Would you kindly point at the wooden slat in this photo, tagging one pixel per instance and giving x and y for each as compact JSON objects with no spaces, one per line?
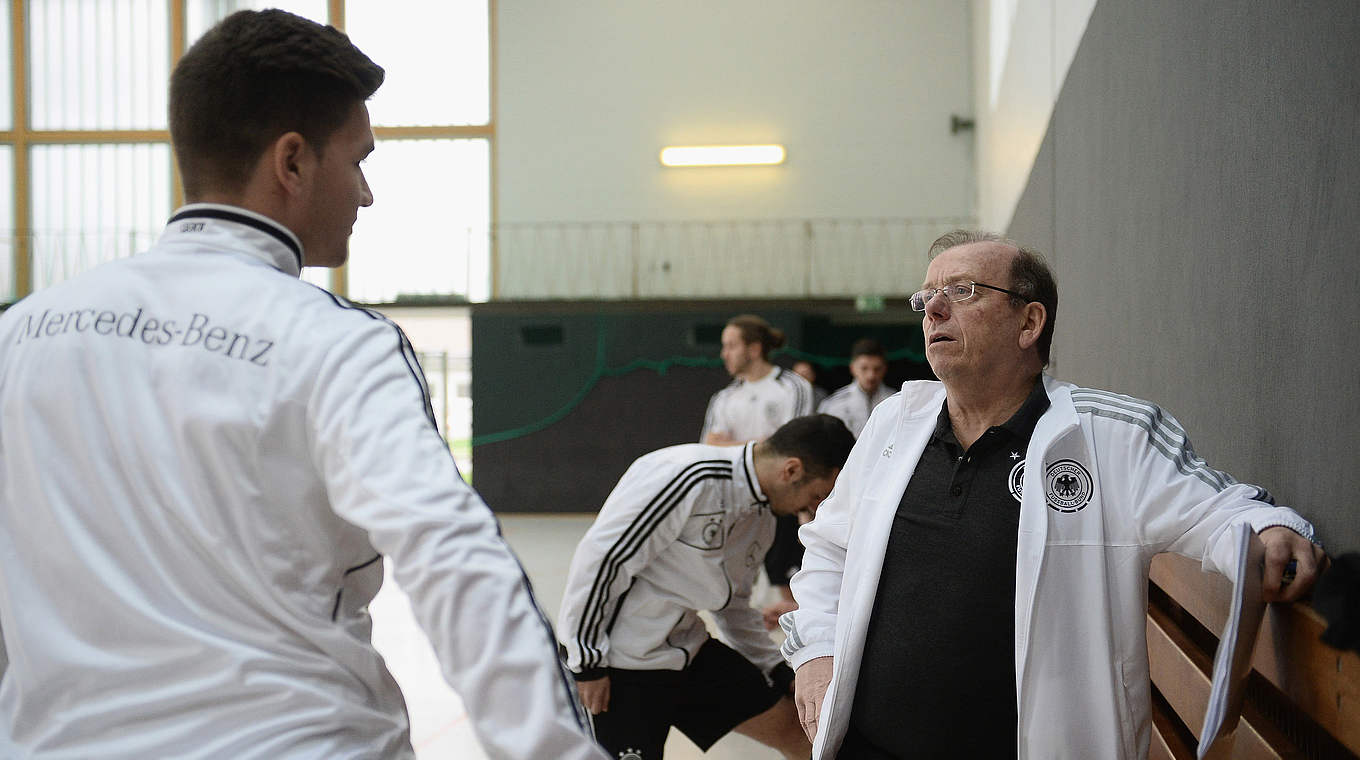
{"x":87,"y":136}
{"x":23,"y":222}
{"x":1182,"y":672}
{"x":1179,"y":669}
{"x":434,"y":132}
{"x":1321,"y":681}
{"x":1167,"y":743}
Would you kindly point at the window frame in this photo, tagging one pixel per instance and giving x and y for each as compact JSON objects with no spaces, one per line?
{"x":21,"y":137}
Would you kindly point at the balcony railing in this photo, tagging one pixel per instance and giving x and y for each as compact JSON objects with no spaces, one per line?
{"x":714,"y":259}
{"x":779,"y":258}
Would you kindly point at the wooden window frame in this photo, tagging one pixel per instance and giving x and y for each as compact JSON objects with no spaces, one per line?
{"x":21,"y":137}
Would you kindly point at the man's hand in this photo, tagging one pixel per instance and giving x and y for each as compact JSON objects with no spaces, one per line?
{"x":809,"y":688}
{"x":1283,"y":545}
{"x":594,"y":694}
{"x":721,"y":438}
{"x":772,"y":612}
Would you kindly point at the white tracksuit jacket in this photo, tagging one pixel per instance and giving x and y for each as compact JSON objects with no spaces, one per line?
{"x":684,"y":530}
{"x":853,"y":406}
{"x":746,"y":411}
{"x":1121,"y":483}
{"x":203,"y":464}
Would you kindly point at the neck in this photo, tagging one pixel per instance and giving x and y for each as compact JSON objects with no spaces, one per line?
{"x":975,"y":407}
{"x":757,"y":371}
{"x":765,"y":466}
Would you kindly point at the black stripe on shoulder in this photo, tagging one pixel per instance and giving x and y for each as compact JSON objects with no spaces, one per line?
{"x":802,"y":391}
{"x":408,"y":353}
{"x":631,"y":541}
{"x":634,"y":537}
{"x":840,"y":393}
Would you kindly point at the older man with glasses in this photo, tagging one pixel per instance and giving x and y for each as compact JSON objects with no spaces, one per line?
{"x":976,"y":585}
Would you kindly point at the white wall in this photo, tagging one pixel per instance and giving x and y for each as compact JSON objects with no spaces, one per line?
{"x":859,"y":91}
{"x":1022,"y":50}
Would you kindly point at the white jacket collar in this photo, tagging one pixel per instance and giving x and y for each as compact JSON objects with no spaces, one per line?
{"x":748,"y":470}
{"x":231,"y":228}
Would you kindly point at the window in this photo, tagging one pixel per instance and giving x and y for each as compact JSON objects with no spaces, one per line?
{"x":88,"y":174}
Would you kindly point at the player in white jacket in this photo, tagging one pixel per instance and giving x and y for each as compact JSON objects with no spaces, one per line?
{"x":854,"y":403}
{"x":684,"y":531}
{"x":205,"y":464}
{"x":1093,"y":485}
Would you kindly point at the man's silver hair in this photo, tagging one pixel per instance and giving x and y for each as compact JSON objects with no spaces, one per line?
{"x":956,"y":238}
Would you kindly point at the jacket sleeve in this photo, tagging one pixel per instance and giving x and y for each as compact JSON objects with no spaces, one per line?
{"x":388,"y":472}
{"x":810,"y":630}
{"x":642,"y":517}
{"x":806,"y":402}
{"x":741,"y":625}
{"x":1182,"y":504}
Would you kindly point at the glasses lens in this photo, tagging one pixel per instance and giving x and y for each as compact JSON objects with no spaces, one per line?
{"x":958,"y":291}
{"x":918,"y":300}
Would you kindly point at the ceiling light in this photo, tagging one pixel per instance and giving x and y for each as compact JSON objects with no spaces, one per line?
{"x":722,"y":155}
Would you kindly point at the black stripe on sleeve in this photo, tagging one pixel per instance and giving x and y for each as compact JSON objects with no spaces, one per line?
{"x":404,"y":348}
{"x":631,"y":541}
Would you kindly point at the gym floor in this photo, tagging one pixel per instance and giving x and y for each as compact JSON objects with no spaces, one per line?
{"x":439,"y":724}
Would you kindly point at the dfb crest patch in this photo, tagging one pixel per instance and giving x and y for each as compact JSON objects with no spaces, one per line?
{"x":1016,"y":481}
{"x":703,"y":531}
{"x":772,"y":412}
{"x":1068,"y":486}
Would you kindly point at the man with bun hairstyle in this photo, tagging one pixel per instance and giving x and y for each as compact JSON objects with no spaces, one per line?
{"x":761,"y":397}
{"x":205,"y":464}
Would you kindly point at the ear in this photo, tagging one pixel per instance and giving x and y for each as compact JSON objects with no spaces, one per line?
{"x":1034,"y":317}
{"x":289,"y":160}
{"x":791,"y":469}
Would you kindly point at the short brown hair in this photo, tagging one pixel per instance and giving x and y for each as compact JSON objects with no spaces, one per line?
{"x":253,"y":77}
{"x":867,"y":347}
{"x":1030,"y":277}
{"x":820,"y":441}
{"x":756,"y":330}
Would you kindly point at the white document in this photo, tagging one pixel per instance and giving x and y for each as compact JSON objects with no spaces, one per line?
{"x":1232,"y":661}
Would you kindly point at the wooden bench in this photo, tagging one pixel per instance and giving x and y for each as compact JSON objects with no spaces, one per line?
{"x":1303,"y":697}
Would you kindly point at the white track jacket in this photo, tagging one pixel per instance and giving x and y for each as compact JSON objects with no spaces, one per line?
{"x":753,"y":411}
{"x":684,"y":530}
{"x":203,"y":464}
{"x":1120,"y":483}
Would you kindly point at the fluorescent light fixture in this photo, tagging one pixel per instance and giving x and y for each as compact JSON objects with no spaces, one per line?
{"x":722,"y":155}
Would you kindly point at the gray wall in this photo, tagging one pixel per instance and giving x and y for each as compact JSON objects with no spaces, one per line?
{"x":1199,"y":192}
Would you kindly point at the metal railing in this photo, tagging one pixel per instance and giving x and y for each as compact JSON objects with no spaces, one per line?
{"x":714,"y":259}
{"x":779,"y":258}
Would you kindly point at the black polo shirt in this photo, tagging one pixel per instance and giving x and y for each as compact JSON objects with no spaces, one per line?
{"x":938,"y":674}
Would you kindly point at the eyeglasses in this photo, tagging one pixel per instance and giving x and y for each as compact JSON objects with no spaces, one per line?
{"x":955,"y":292}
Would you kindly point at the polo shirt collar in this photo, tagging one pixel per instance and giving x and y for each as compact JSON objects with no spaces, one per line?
{"x":1020,"y":424}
